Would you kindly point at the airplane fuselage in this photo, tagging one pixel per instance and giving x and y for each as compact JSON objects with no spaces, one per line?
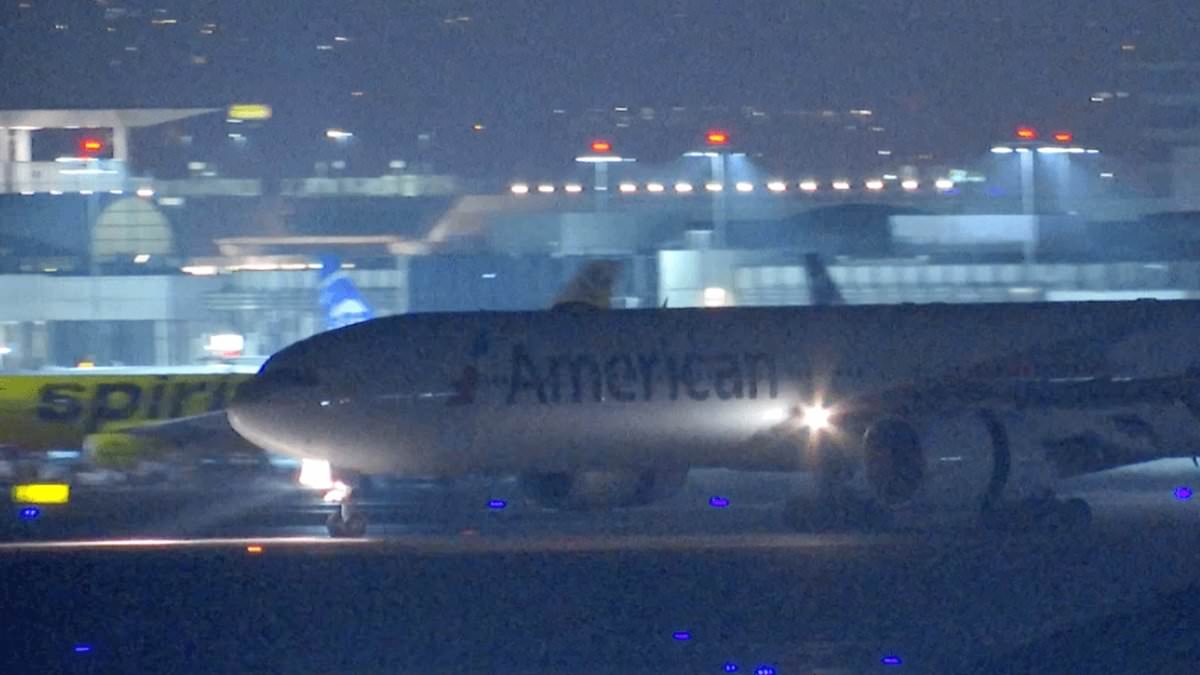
{"x":448,"y":394}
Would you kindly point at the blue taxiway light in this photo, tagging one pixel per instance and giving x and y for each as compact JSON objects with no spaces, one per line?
{"x":30,"y":512}
{"x":891,"y":661}
{"x":681,"y":635}
{"x":718,"y":502}
{"x":731,"y":667}
{"x":1183,"y":493}
{"x":497,"y":504}
{"x":82,"y":649}
{"x":764,"y":670}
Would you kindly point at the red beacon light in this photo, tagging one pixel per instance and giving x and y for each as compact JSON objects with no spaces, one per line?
{"x":91,"y":145}
{"x":1027,"y":133}
{"x":717,"y":138}
{"x":1064,"y":136}
{"x":601,"y":146}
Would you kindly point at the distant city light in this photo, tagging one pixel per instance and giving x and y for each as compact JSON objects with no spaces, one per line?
{"x":874,"y":185}
{"x":809,"y":186}
{"x":254,"y":549}
{"x":145,"y":192}
{"x":655,"y":187}
{"x":714,"y":187}
{"x":116,"y":192}
{"x":628,"y":188}
{"x":519,"y":189}
{"x":141,"y":258}
{"x":910,"y":184}
{"x":683,"y":188}
{"x":1093,"y":151}
{"x":841,"y":185}
{"x":1107,"y":174}
{"x":1002,"y":150}
{"x":743,"y":186}
{"x":884,"y":153}
{"x":573,"y":188}
{"x":545,"y":188}
{"x":338,"y":134}
{"x":477,"y":127}
{"x":777,"y":186}
{"x":944,"y":184}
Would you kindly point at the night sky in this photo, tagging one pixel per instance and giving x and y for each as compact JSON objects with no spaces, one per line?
{"x":948,"y":72}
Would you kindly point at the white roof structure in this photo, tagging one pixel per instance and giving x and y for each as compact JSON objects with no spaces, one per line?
{"x":107,"y":119}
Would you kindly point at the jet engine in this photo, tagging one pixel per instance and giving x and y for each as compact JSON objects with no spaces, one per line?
{"x":961,"y":460}
{"x":590,"y":490}
{"x":121,"y":451}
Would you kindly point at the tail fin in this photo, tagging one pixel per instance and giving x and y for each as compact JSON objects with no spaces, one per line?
{"x":823,"y":289}
{"x":591,"y":287}
{"x":341,"y":303}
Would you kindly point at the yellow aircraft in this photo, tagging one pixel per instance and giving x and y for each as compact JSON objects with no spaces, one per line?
{"x":96,"y":410}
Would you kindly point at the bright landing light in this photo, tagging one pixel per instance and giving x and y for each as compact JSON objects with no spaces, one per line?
{"x":316,"y":474}
{"x":816,"y":417}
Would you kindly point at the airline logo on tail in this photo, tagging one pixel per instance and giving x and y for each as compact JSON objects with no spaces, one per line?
{"x":341,"y":302}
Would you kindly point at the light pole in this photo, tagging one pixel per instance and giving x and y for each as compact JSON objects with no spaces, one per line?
{"x":1025,"y":147}
{"x":600,"y":158}
{"x":716,"y":139}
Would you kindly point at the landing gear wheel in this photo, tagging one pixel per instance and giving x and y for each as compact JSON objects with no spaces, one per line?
{"x":834,"y":515}
{"x":1072,"y":515}
{"x":1044,"y":514}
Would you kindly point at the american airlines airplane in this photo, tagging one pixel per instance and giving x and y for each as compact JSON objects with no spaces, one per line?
{"x":895,"y":409}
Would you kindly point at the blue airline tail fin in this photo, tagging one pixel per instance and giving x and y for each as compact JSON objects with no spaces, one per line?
{"x":341,"y":303}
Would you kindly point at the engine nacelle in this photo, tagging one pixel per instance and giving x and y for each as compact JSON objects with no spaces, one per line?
{"x":959,"y":460}
{"x":116,"y":450}
{"x":598,"y":490}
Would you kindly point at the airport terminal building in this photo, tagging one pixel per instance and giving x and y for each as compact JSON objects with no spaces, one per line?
{"x":120,"y":246}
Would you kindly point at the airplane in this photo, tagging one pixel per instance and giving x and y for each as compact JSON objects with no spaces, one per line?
{"x":895,"y":409}
{"x":116,"y":414}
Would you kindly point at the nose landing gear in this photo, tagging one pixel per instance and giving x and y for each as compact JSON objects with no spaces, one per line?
{"x":346,"y":521}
